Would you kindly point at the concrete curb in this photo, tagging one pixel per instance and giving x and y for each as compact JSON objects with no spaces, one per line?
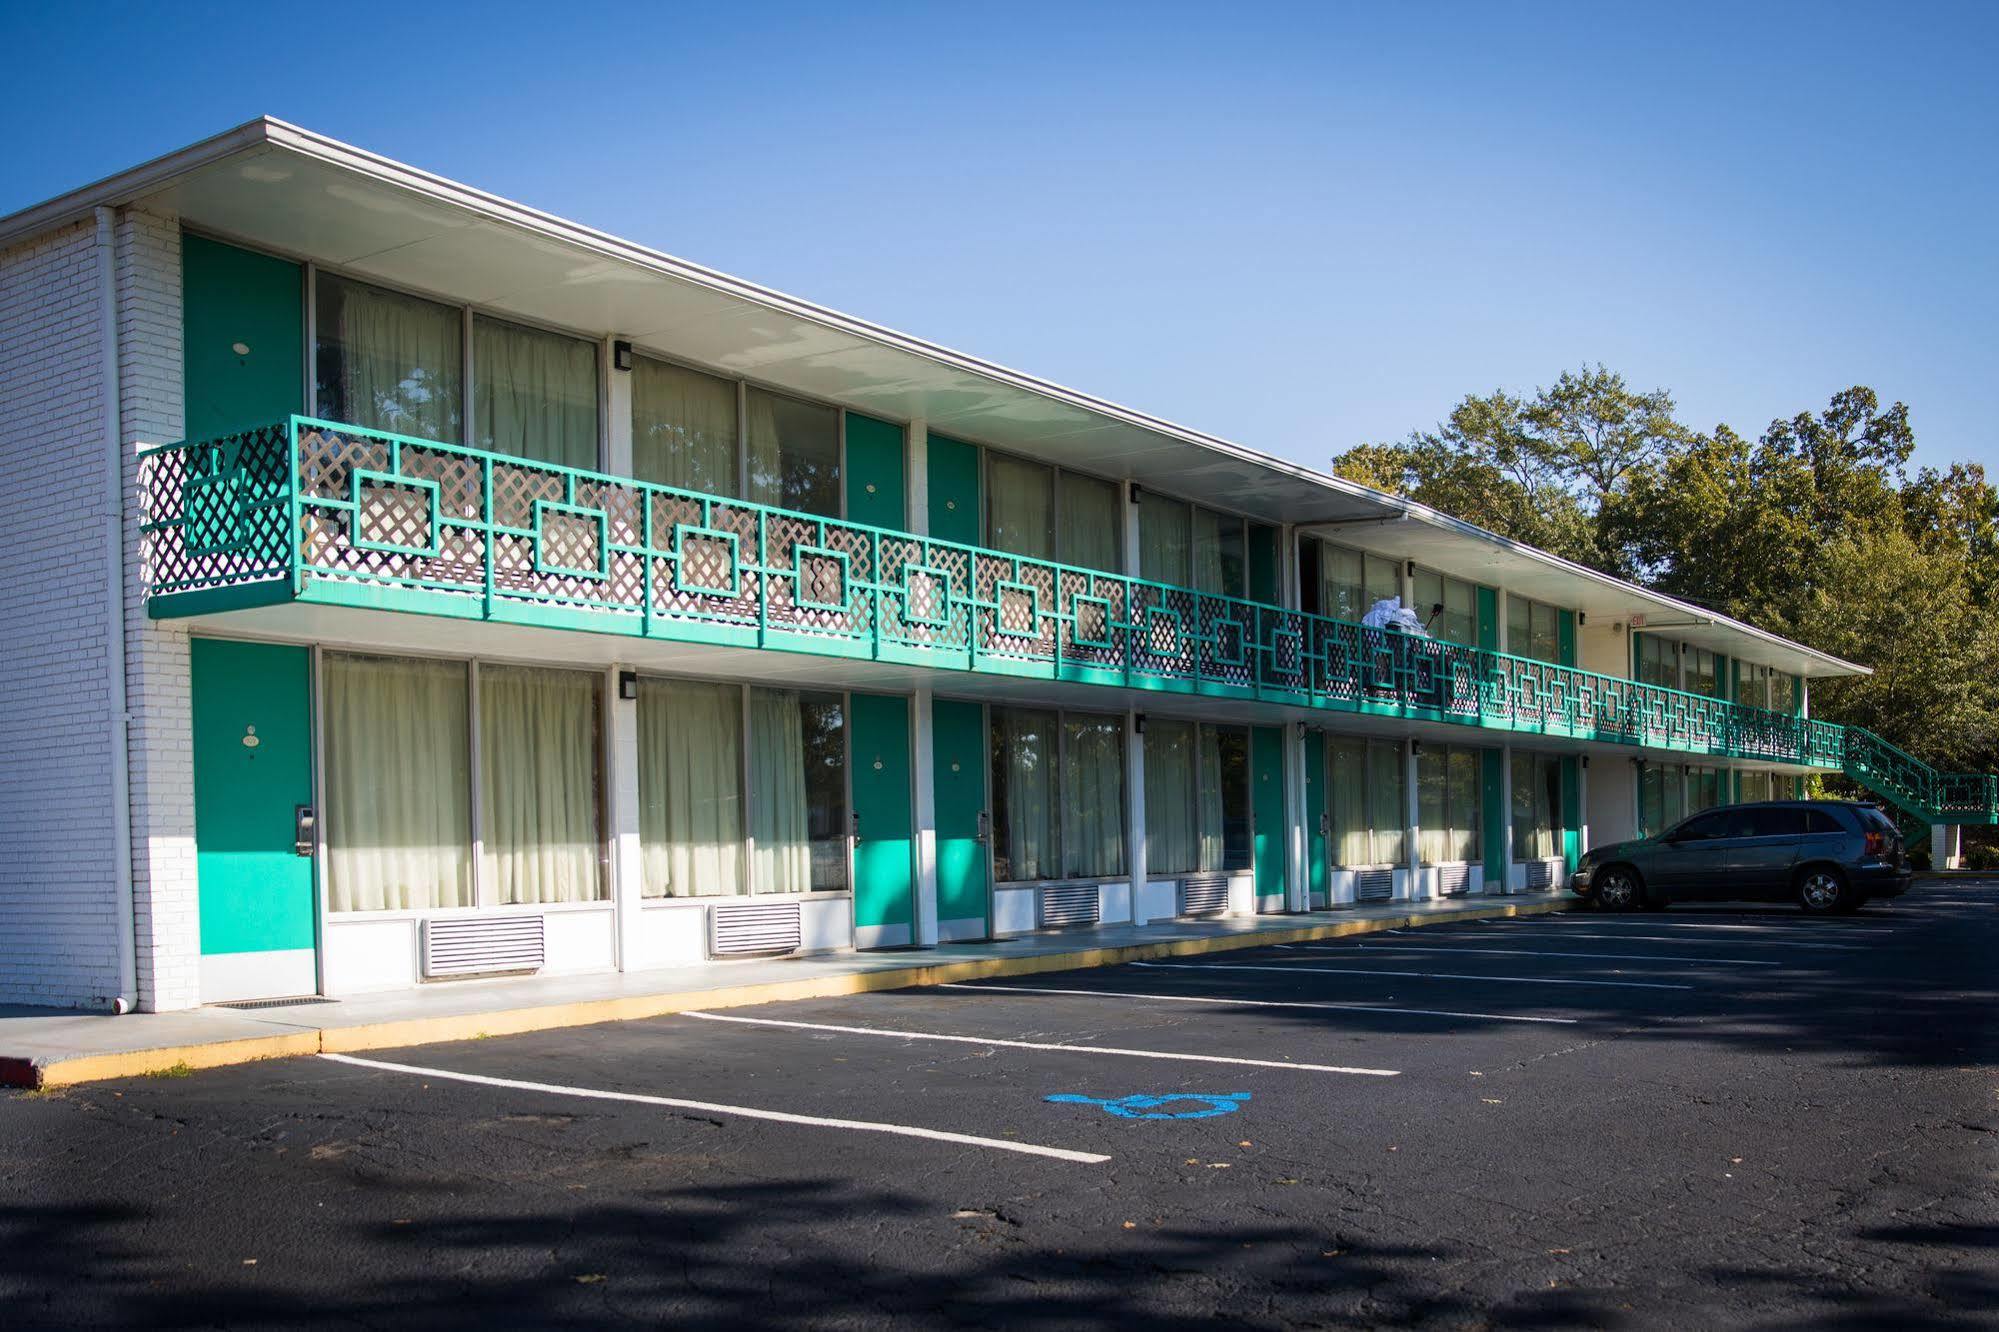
{"x":65,"y":1072}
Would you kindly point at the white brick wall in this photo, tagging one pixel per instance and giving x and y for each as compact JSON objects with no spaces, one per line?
{"x":156,"y":652}
{"x":58,"y":892}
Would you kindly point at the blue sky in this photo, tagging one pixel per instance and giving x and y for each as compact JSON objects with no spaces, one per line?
{"x":1301,"y":228}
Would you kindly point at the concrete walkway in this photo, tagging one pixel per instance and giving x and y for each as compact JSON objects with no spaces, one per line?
{"x":46,"y":1047}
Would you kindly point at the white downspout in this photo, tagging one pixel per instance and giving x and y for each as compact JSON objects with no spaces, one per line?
{"x":114,"y":632}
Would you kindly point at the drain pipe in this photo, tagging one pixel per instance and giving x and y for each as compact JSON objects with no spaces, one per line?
{"x":127,"y":997}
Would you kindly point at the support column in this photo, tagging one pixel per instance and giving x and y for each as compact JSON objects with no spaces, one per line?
{"x":627,"y":866}
{"x":1297,"y":863}
{"x":924,"y":812}
{"x":918,"y":444}
{"x":1412,"y":806}
{"x":1134,"y":804}
{"x":1946,"y":846}
{"x":617,"y":412}
{"x":1506,"y":819}
{"x":1582,"y":806}
{"x":1131,"y":544}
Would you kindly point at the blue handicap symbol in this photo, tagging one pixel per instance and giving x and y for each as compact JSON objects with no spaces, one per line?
{"x":1201,"y":1105}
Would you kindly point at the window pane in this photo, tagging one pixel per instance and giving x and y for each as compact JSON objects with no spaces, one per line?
{"x":683,"y":428}
{"x":1432,"y":793}
{"x":1547,"y":638}
{"x":1674,"y":805}
{"x":1091,"y":535}
{"x":1526,"y":841}
{"x":690,"y":782}
{"x":1462,"y":805}
{"x":1172,"y":832}
{"x":1342,"y":589}
{"x":1387,"y":801}
{"x":534,"y":393}
{"x":798,"y":791}
{"x":398,"y":784}
{"x":1384,"y":580}
{"x":794,"y":454}
{"x":1448,"y":605}
{"x":1775,"y":822}
{"x":1092,"y":796}
{"x":1163,"y":540}
{"x":541,"y":828}
{"x":1346,"y":800}
{"x":389,"y":361}
{"x":1232,"y":753}
{"x":1023,"y":758}
{"x":1519,"y":628}
{"x":1220,"y":564}
{"x":1020,"y":507}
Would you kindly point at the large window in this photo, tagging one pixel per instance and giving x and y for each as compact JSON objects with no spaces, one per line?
{"x":1703,"y":676}
{"x":1662,"y":797}
{"x":1197,"y":817}
{"x":1533,"y":629}
{"x":1449,"y":606}
{"x":1755,"y":786}
{"x":1783,"y":692}
{"x":1447,"y":804}
{"x":388,"y":361}
{"x":398,"y":784}
{"x":1367,"y":801}
{"x":534,"y":393}
{"x":1351,"y":581}
{"x":1189,"y":546}
{"x":684,"y":428}
{"x":1537,"y":806}
{"x":1089,"y":529}
{"x":1057,"y":794}
{"x":798,"y":791}
{"x":1049,"y":514}
{"x":541,"y":828}
{"x":1704,"y":789}
{"x":794,"y":454}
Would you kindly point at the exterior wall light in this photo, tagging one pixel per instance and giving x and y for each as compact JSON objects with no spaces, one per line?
{"x":628,"y":685}
{"x":1138,"y":723}
{"x":621,"y":355}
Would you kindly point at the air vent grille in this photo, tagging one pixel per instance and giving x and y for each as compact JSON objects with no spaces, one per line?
{"x":1068,"y":904}
{"x":1540,"y":874}
{"x":748,"y":928}
{"x":1455,"y":880}
{"x":1374,"y":885}
{"x":478,"y":945}
{"x":1204,"y":895}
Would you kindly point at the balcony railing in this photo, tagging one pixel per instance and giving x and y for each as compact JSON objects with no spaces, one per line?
{"x":315,"y":511}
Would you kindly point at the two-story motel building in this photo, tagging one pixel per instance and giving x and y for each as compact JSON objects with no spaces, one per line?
{"x":405,"y":584}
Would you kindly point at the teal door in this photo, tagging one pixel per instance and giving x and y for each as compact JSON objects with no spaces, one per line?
{"x":1266,"y":781}
{"x":953,"y":472}
{"x":252,"y":705}
{"x":884,"y":880}
{"x":958,"y":765}
{"x":1318,"y":827}
{"x":243,"y":337}
{"x":875,"y":470}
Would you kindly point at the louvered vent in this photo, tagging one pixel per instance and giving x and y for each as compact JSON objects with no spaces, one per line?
{"x":1375,"y":885}
{"x":1204,"y":895}
{"x":477,"y":945}
{"x":1455,"y":880}
{"x":1540,"y":874}
{"x":742,"y":929}
{"x":1068,"y":904}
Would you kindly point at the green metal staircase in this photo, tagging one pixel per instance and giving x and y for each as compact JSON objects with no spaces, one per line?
{"x":1921,"y":793}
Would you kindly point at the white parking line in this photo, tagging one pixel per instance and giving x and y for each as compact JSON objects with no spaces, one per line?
{"x":1424,"y":975}
{"x":1037,"y":1045}
{"x":1539,"y":952}
{"x":1259,"y":1003}
{"x":741,"y":1111}
{"x":1696,"y":923}
{"x":1686,"y":939}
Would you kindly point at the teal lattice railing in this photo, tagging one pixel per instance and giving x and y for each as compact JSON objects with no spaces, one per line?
{"x":317,"y":511}
{"x":1914,"y":786}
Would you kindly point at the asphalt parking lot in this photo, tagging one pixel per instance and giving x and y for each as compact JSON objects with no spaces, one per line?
{"x":1709,"y":1117}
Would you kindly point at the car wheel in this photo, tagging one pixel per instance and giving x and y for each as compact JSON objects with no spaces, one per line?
{"x":1618,"y":890}
{"x":1822,"y":891}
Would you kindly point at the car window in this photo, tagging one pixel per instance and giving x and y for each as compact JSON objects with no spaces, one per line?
{"x":1775,"y":821}
{"x":1871,"y":817}
{"x":1704,"y":827}
{"x":1820,"y":821}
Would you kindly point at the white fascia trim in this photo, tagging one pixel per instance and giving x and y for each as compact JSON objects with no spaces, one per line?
{"x":268,"y":131}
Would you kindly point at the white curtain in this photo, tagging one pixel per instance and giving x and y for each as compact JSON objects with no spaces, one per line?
{"x":398,"y":779}
{"x":1025,"y":753}
{"x":780,"y":814}
{"x":1209,"y":565}
{"x":1346,"y":779}
{"x":794,"y":454}
{"x":1162,"y":540}
{"x":1091,"y":536}
{"x":1432,"y":796}
{"x":1211,"y":817}
{"x":1340,"y":584}
{"x":683,"y":428}
{"x":389,"y":361}
{"x":690,"y":779}
{"x":1172,"y":844}
{"x":1020,"y":507}
{"x":1092,"y":796}
{"x":1387,"y":801}
{"x":1463,"y":802}
{"x":538,"y":751}
{"x":534,"y":393}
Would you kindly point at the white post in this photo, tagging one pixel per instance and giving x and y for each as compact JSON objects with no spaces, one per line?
{"x":1134,"y":803}
{"x":1499,"y":615}
{"x":617,"y":413}
{"x":1506,"y":818}
{"x":1131,"y":544}
{"x":1946,"y":845}
{"x":1297,"y":863}
{"x":923,"y":769}
{"x":1582,"y":804}
{"x":918,"y":448}
{"x":627,"y":868}
{"x":1412,"y":820}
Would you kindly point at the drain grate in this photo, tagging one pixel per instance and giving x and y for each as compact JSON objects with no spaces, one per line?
{"x":299,"y":1002}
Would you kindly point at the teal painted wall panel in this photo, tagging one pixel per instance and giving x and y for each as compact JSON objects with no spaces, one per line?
{"x":953,"y":476}
{"x":233,"y":298}
{"x":1266,"y":772}
{"x":1572,"y":810}
{"x":1493,"y":815}
{"x":883,"y":875}
{"x":1318,"y":846}
{"x":1565,"y":635}
{"x":1488,"y":619}
{"x":877,"y":473}
{"x":256,"y":892}
{"x":1263,"y":564}
{"x":958,"y":763}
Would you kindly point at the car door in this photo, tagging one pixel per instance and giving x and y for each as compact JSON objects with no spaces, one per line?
{"x":1692,"y":859}
{"x":1760,"y":860}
